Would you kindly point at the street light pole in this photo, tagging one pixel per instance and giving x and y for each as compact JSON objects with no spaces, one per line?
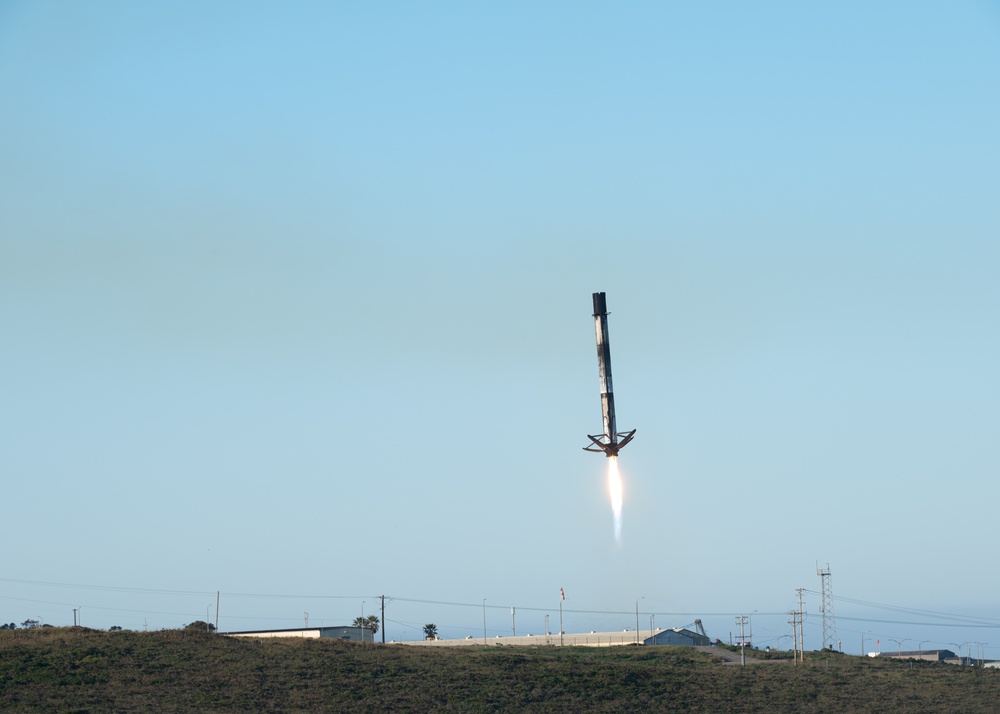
{"x":637,"y":618}
{"x":741,"y":620}
{"x":560,"y":624}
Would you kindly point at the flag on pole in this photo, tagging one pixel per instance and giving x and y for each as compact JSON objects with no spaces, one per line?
{"x":562,"y":594}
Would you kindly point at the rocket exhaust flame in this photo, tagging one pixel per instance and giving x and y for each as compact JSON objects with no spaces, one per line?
{"x":615,"y":491}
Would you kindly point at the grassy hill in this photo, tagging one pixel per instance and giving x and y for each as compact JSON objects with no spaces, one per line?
{"x":80,"y":670}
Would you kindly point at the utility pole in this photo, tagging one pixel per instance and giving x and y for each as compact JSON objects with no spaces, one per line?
{"x":802,"y":636}
{"x":794,"y":622}
{"x":383,"y":619}
{"x":741,"y":620}
{"x":513,"y":628}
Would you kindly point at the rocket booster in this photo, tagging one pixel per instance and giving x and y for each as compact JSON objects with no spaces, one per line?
{"x":611,"y":441}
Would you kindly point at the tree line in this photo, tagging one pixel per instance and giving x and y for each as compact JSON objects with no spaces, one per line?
{"x":27,"y":625}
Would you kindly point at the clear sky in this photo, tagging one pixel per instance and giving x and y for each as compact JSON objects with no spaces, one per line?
{"x":296,"y":306}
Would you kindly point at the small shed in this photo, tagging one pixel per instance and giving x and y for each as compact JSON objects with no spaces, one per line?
{"x":678,"y":636}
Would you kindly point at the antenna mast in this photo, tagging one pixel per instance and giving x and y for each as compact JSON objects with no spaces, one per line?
{"x":826,"y":607}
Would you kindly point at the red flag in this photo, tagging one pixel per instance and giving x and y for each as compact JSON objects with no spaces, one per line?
{"x":562,"y":594}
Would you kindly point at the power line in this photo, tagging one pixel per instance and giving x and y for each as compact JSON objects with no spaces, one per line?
{"x":970,"y":625}
{"x":933,"y":617}
{"x":106,"y":587}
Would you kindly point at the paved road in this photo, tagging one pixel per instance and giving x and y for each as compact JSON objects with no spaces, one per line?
{"x":729,"y":657}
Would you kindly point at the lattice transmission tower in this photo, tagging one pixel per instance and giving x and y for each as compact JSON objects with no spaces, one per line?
{"x":826,"y":607}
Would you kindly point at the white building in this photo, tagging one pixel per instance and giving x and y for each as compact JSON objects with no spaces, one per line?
{"x":354,"y":634}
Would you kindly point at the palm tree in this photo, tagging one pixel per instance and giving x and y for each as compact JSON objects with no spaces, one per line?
{"x":430,"y":631}
{"x":370,"y":623}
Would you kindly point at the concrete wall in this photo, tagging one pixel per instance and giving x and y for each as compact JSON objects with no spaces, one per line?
{"x":310,"y":634}
{"x":590,"y":639}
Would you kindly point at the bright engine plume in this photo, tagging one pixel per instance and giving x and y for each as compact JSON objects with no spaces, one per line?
{"x":615,"y":491}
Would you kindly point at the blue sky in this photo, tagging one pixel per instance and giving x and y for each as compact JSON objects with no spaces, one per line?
{"x":296,"y":307}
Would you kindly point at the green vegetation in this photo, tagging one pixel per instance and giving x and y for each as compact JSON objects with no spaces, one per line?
{"x":80,"y":670}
